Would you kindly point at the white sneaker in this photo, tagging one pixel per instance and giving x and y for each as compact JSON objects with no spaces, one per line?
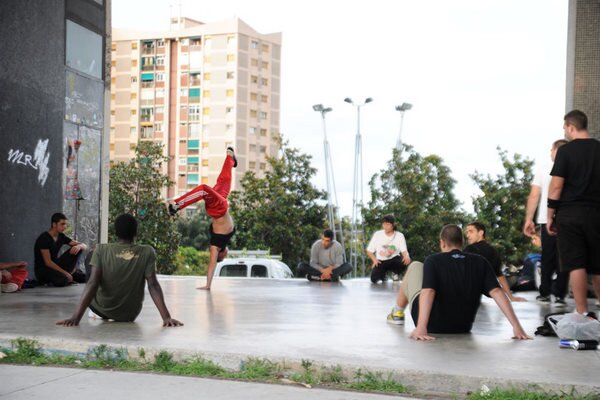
{"x":9,"y":287}
{"x":93,"y":315}
{"x":395,"y":277}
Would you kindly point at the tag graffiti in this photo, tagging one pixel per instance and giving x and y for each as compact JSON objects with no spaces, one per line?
{"x":37,"y":161}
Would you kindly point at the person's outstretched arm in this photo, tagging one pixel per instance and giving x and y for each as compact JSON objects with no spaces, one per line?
{"x":425,"y":303}
{"x":88,"y":294}
{"x":500,"y":298}
{"x":159,"y":301}
{"x":212,"y":264}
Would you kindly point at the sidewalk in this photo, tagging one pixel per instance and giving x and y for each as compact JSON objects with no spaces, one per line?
{"x":17,"y":382}
{"x":327,"y":323}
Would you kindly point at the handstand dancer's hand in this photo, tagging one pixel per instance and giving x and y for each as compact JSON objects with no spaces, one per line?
{"x":519,"y":334}
{"x":68,"y":322}
{"x":419,"y":334}
{"x":172,"y":322}
{"x":204,"y":288}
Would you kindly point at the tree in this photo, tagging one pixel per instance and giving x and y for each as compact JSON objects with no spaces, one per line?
{"x":194,"y":231}
{"x":501,"y":207}
{"x":282,"y":211}
{"x":135,"y":188}
{"x":418,"y":191}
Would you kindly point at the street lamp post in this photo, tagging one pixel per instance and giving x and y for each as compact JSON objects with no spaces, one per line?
{"x":332,"y":205}
{"x":356,"y":251}
{"x":402,"y":108}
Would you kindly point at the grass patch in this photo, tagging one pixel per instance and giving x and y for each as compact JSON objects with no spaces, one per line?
{"x":513,"y":394}
{"x":256,"y":369}
{"x":308,"y":375}
{"x":376,"y":382}
{"x":198,"y":366}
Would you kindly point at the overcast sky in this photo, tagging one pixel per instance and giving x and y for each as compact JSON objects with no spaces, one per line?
{"x":479,"y":73}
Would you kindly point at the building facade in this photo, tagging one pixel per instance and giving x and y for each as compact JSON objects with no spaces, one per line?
{"x":54,"y":85}
{"x":197,"y":89}
{"x":583,"y":61}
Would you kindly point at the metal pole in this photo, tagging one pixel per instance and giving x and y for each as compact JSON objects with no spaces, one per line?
{"x":399,"y":141}
{"x":327,"y":173}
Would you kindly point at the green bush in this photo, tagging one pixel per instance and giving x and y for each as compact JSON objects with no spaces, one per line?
{"x":191,"y":261}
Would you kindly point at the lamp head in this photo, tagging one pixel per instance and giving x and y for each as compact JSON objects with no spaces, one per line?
{"x":318,"y":107}
{"x":348,"y":100}
{"x":328,"y":109}
{"x":368,"y":100}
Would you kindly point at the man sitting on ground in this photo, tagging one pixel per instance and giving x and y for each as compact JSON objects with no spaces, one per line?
{"x":326,"y":260}
{"x":119,"y":272}
{"x":478,"y":245}
{"x":13,"y":276}
{"x":445,"y":293}
{"x":51,"y":266}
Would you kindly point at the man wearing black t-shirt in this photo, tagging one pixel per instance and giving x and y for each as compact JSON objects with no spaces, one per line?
{"x":574,"y":206}
{"x":475,"y":233}
{"x":49,"y":266}
{"x":445,"y":292}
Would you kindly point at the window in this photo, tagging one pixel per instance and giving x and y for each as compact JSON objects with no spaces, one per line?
{"x":228,"y":110}
{"x":263,"y":132}
{"x":194,"y":112}
{"x":160,"y":77}
{"x":254,"y":44}
{"x":160,"y":60}
{"x":158,"y":127}
{"x":254,"y":79}
{"x":133,"y":96}
{"x":229,"y":92}
{"x":113,"y":46}
{"x":113,"y":63}
{"x":264,"y":81}
{"x":133,"y":112}
{"x":204,"y":162}
{"x":182,"y":160}
{"x":230,"y":57}
{"x":205,"y":145}
{"x":264,"y":65}
{"x":264,"y":98}
{"x":206,"y":111}
{"x":183,"y":92}
{"x":160,"y":110}
{"x":134,"y":45}
{"x":252,"y":131}
{"x":262,"y":115}
{"x":254,"y":62}
{"x":265,"y":47}
{"x":84,"y":50}
{"x":263,"y":166}
{"x":253,"y":113}
{"x":263,"y":149}
{"x":133,"y":79}
{"x":113,"y":96}
{"x":207,"y":93}
{"x":207,"y":76}
{"x":230,"y":75}
{"x":112,"y":112}
{"x":252,"y":148}
{"x":194,"y":131}
{"x":230,"y":39}
{"x":134,"y":63}
{"x":252,"y":164}
{"x":259,"y":271}
{"x":195,"y":42}
{"x":253,"y":96}
{"x":132,"y":131}
{"x":147,"y":132}
{"x":185,"y":41}
{"x":228,"y":127}
{"x":239,"y":270}
{"x":160,"y":92}
{"x":160,"y":43}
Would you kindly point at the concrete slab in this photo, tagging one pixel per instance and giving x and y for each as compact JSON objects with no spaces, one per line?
{"x":327,"y":323}
{"x":71,"y":384}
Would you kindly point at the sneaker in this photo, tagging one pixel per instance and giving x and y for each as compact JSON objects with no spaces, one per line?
{"x":591,"y":314}
{"x":543,"y":299}
{"x":395,"y":277}
{"x":9,"y":287}
{"x":313,"y":277}
{"x":231,"y":153}
{"x":396,"y":317}
{"x":558,"y":302}
{"x":172,"y":210}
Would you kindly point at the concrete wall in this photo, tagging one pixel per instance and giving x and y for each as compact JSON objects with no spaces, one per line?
{"x":583,"y":61}
{"x":32,"y":116}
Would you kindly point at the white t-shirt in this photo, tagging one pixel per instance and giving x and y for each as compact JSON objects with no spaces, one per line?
{"x":380,"y":244}
{"x":542,"y":179}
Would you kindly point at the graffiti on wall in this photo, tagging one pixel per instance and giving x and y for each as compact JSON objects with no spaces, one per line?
{"x":37,"y":161}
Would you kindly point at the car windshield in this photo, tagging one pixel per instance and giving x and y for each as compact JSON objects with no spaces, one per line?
{"x":238,"y":270}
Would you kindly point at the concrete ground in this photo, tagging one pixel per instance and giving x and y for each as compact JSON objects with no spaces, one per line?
{"x":327,"y":323}
{"x":22,"y":382}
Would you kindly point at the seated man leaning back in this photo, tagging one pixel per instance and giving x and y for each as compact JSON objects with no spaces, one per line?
{"x":120,"y":271}
{"x":445,"y":292}
{"x":326,"y":260}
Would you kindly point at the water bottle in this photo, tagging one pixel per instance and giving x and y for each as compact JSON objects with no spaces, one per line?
{"x":579,"y":344}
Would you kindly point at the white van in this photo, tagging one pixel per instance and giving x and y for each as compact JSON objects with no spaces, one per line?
{"x":250,"y":267}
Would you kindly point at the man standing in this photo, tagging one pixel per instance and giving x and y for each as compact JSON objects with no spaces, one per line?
{"x":538,"y":198}
{"x":475,"y":233}
{"x":51,"y":266}
{"x":574,"y":207}
{"x":445,"y":292}
{"x":326,"y":260}
{"x":119,"y":273}
{"x":215,"y":202}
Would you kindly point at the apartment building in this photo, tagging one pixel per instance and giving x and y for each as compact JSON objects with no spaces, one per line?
{"x":197,"y":89}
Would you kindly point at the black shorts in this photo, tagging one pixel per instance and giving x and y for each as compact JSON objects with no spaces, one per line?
{"x":579,"y":238}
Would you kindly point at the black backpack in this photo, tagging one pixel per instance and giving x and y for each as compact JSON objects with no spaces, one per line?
{"x":546,"y":329}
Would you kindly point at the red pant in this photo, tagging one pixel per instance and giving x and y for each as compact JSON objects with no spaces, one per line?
{"x":18,"y":277}
{"x":215,"y":199}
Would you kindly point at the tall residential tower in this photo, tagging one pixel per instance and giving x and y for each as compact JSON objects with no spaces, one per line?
{"x":197,"y":89}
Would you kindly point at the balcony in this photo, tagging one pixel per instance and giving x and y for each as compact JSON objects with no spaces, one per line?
{"x":148,"y":51}
{"x":195,"y":82}
{"x":147,"y":84}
